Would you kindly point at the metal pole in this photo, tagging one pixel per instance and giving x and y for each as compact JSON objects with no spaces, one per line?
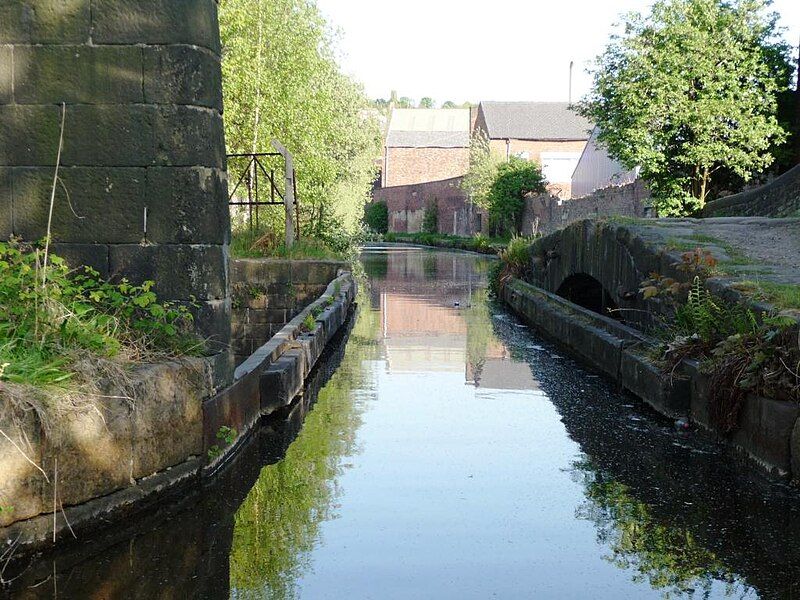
{"x":288,"y":197}
{"x":570,"y":81}
{"x":250,"y":195}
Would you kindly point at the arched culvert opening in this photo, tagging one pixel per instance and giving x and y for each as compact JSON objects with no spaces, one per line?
{"x":586,"y":291}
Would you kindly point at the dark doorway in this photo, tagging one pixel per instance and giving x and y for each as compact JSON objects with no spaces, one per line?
{"x":584,"y":290}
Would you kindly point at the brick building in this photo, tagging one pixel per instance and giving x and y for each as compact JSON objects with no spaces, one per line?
{"x":548,"y":133}
{"x":425,"y":145}
{"x":425,"y":155}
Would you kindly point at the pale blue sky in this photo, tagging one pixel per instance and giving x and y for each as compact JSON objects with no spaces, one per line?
{"x":493,"y":50}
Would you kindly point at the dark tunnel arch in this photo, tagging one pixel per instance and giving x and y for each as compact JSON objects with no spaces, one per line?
{"x":586,"y":291}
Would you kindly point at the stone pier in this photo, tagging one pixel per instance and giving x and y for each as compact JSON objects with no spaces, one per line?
{"x":142,"y":187}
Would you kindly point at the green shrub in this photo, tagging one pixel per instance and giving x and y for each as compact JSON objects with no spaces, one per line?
{"x":309,"y":323}
{"x":514,"y":263}
{"x":513,"y":181}
{"x":740,"y":352}
{"x":430,"y":220}
{"x":376,"y":216}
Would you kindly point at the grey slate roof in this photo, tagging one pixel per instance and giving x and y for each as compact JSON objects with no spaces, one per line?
{"x":534,"y":121}
{"x":427,"y":139}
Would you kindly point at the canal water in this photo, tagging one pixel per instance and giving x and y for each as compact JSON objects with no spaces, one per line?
{"x":444,"y":450}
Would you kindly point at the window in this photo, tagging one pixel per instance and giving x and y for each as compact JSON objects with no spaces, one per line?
{"x":557,"y":167}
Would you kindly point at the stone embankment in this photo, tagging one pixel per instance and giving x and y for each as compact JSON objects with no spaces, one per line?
{"x":601,"y":264}
{"x":116,"y":455}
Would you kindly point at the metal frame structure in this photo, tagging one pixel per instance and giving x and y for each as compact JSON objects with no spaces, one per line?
{"x":251,"y":175}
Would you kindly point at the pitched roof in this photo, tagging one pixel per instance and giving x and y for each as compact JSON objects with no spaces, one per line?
{"x":427,"y":139}
{"x":428,"y":128}
{"x":534,"y":121}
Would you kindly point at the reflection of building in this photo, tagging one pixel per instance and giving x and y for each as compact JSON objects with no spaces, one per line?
{"x":506,"y":374}
{"x":436,"y":327}
{"x":420,"y":336}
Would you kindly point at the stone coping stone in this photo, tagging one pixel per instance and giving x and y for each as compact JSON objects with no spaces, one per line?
{"x":595,"y":346}
{"x":282,"y":340}
{"x":283,"y":380}
{"x":271,"y":377}
{"x":668,"y":394}
{"x":612,"y":326}
{"x":769,"y":430}
{"x":765,"y":432}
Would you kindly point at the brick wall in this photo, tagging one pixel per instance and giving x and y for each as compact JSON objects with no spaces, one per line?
{"x":141,"y":80}
{"x":545,"y":213}
{"x":407,"y":204}
{"x":405,"y":166}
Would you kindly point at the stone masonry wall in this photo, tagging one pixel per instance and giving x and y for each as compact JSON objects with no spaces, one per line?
{"x":779,"y":198}
{"x":268,"y":293}
{"x":143,"y":185}
{"x":546,"y":214}
{"x":105,"y":444}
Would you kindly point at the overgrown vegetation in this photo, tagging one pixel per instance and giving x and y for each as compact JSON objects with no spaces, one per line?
{"x":281,"y":81}
{"x":477,"y":243}
{"x":68,"y":328}
{"x":515,"y":263}
{"x":781,"y":295}
{"x":500,"y":186}
{"x":226,"y":436}
{"x":689,"y":94}
{"x":741,"y":351}
{"x":430,"y":219}
{"x":483,"y":166}
{"x":376,"y":217}
{"x":256,"y":243}
{"x":514,"y":180}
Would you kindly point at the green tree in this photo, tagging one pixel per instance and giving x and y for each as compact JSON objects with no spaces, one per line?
{"x":689,"y":92}
{"x":449,"y":104}
{"x":405,"y":102}
{"x":482,"y":170}
{"x":430,"y":219}
{"x":514,"y":180}
{"x":427,"y":103}
{"x":376,"y":216}
{"x":280,"y":81}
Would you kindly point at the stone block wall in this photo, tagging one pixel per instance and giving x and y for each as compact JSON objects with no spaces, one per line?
{"x":268,"y":293}
{"x":779,"y":198}
{"x":546,"y":214}
{"x":104,"y":444}
{"x":142,"y":191}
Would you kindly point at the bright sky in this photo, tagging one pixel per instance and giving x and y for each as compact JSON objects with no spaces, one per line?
{"x":489,"y":50}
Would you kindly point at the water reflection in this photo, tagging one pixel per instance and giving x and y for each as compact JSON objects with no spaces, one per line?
{"x":447,"y":452}
{"x":277,"y":525}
